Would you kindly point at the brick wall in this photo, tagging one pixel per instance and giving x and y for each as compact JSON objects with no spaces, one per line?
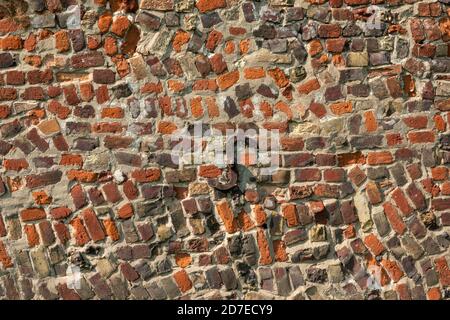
{"x":94,"y":206}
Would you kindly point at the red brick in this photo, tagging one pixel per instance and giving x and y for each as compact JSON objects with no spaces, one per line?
{"x":15,"y":164}
{"x":47,"y":235}
{"x":227,"y":80}
{"x":60,"y":212}
{"x":394,"y":219}
{"x":80,"y":233}
{"x":334,"y":175}
{"x":380,"y":157}
{"x":416,"y":196}
{"x":209,"y":5}
{"x":279,"y":77}
{"x":111,"y":229}
{"x":439,"y":173}
{"x":329,"y":30}
{"x":120,"y":25}
{"x":62,"y":232}
{"x":393,"y":269}
{"x":421,"y":136}
{"x":308,"y":174}
{"x":32,"y":235}
{"x":146,"y":175}
{"x":130,"y":190}
{"x":182,"y":279}
{"x":3,"y":231}
{"x":402,"y":203}
{"x":375,"y":246}
{"x":265,"y":256}
{"x":93,"y":225}
{"x":443,"y":271}
{"x":417,"y":122}
{"x":11,"y":43}
{"x":209,"y":171}
{"x":32,"y":214}
{"x":308,"y":86}
{"x":279,"y":249}
{"x":128,"y":272}
{"x":78,"y":196}
{"x":289,"y":212}
{"x":112,"y":192}
{"x":373,"y":193}
{"x":15,"y":77}
{"x":126,"y":211}
{"x":5,"y":258}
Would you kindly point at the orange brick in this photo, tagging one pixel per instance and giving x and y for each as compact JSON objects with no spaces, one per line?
{"x":196,"y":107}
{"x":265,"y":257}
{"x":11,"y":43}
{"x":180,"y":39}
{"x":380,"y":157}
{"x":370,"y":121}
{"x":394,"y":219}
{"x":209,"y":171}
{"x":82,"y":175}
{"x":439,"y":173}
{"x":71,"y":160}
{"x":309,"y":86}
{"x":146,"y":175}
{"x":32,"y":214}
{"x":279,"y":249}
{"x":114,"y":112}
{"x":111,"y":229}
{"x":254,"y":73}
{"x":279,"y":77}
{"x":393,"y":269}
{"x":32,"y":235}
{"x":166,"y":127}
{"x":227,"y":216}
{"x":226,"y":80}
{"x":375,"y":246}
{"x":340,"y":108}
{"x":183,"y":259}
{"x":290,"y":214}
{"x":62,"y":42}
{"x":182,"y":279}
{"x":126,"y":211}
{"x":15,"y":164}
{"x":213,"y":109}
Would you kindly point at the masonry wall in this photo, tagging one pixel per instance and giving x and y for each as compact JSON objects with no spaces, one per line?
{"x":91,"y":93}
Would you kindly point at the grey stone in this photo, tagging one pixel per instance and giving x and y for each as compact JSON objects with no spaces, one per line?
{"x":335,"y":273}
{"x":430,"y":246}
{"x":408,"y":266}
{"x":40,"y":262}
{"x":213,"y":277}
{"x":412,"y":247}
{"x":399,"y":175}
{"x":46,"y":20}
{"x":381,"y":223}
{"x":156,"y":292}
{"x":266,"y":278}
{"x":170,"y":287}
{"x":229,"y":279}
{"x":282,"y":280}
{"x":84,"y":290}
{"x":139,"y":293}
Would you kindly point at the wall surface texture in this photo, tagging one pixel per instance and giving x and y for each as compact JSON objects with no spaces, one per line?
{"x":94,"y":95}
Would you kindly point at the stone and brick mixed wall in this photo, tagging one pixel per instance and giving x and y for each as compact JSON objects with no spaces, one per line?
{"x":91,"y":91}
